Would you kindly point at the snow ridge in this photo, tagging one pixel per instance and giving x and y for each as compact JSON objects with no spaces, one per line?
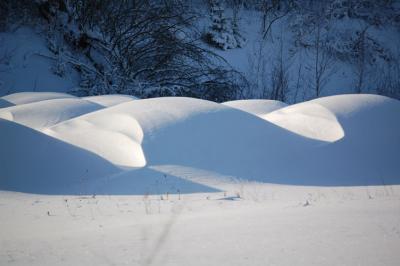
{"x":117,"y":144}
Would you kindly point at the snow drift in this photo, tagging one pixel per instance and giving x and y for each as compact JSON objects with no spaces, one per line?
{"x":119,"y":145}
{"x":310,"y":120}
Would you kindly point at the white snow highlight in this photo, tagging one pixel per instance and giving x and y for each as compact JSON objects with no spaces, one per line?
{"x":309,"y":120}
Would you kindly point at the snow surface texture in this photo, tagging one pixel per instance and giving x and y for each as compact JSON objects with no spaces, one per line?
{"x":271,"y":225}
{"x":120,"y":145}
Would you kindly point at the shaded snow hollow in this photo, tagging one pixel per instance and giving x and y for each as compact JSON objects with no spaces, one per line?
{"x":54,"y":143}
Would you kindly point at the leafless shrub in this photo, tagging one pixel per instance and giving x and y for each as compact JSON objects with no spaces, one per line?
{"x":389,"y":80}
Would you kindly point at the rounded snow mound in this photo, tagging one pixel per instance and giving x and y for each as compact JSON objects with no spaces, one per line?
{"x":334,"y":117}
{"x":369,"y":119}
{"x":33,"y":162}
{"x":46,"y":113}
{"x":116,"y":133}
{"x":115,"y":136}
{"x":31,"y":97}
{"x":255,"y":106}
{"x":310,"y":120}
{"x":347,"y":105}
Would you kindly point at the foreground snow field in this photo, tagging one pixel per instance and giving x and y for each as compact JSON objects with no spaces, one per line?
{"x":114,"y":180}
{"x":271,"y":225}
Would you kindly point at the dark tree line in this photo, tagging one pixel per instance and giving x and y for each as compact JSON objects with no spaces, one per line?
{"x":142,"y":47}
{"x":152,"y":48}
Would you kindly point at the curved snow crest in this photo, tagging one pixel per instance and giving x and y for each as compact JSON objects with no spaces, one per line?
{"x":46,"y":113}
{"x":116,"y":137}
{"x":31,"y":97}
{"x":33,"y":162}
{"x":364,"y":115}
{"x":347,"y":105}
{"x":308,"y":119}
{"x":332,"y":118}
{"x":255,"y":106}
{"x":157,"y":113}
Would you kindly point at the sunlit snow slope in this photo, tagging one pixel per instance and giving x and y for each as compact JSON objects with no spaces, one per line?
{"x":59,"y":144}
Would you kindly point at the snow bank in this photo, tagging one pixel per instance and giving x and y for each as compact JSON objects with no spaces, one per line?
{"x":334,"y":141}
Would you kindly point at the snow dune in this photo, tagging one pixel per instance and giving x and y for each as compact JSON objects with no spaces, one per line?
{"x":120,"y":145}
{"x":310,"y":120}
{"x":116,"y":137}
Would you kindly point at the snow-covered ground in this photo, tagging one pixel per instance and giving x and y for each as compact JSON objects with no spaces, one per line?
{"x":271,"y":225}
{"x":113,"y":180}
